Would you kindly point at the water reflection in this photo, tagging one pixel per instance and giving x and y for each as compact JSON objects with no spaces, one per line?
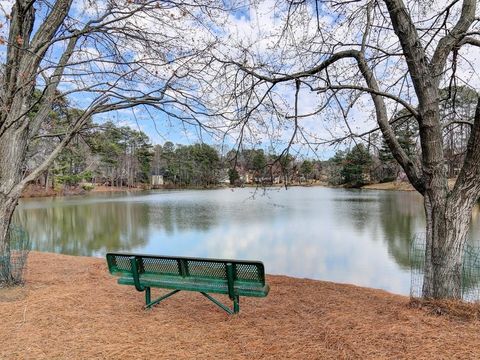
{"x":401,"y":217}
{"x":359,"y":237}
{"x":178,"y":216}
{"x":84,"y":229}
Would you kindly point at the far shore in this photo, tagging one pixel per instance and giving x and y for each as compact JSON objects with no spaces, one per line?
{"x":392,"y":185}
{"x":33,"y":191}
{"x":399,"y":186}
{"x":71,"y":308}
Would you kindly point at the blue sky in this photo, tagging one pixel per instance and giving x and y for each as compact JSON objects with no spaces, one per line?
{"x":156,"y":125}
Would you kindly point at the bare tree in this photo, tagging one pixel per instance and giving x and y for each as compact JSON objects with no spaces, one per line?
{"x":101,"y":55}
{"x":384,"y":55}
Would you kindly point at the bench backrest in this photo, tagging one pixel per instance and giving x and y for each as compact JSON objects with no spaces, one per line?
{"x":186,"y":267}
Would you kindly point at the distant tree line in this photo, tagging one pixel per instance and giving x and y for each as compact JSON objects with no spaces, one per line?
{"x":206,"y":165}
{"x":113,"y":155}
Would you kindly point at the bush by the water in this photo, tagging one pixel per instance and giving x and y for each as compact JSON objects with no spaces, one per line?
{"x":14,"y":259}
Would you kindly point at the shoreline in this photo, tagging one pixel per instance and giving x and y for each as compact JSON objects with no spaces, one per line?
{"x":40,"y":192}
{"x":392,"y":185}
{"x":400,"y":185}
{"x":71,"y":307}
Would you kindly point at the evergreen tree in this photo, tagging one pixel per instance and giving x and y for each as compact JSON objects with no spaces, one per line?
{"x":306,"y":169}
{"x":356,"y":166}
{"x":335,"y":165}
{"x":233,"y":176}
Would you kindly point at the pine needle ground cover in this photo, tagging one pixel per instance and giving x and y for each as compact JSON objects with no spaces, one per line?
{"x":71,"y":308}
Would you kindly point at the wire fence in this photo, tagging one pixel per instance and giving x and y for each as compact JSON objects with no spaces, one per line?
{"x":471,"y":274}
{"x":470,"y":270}
{"x":417,"y":264}
{"x":13,"y":261}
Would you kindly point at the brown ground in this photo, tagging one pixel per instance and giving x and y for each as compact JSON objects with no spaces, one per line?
{"x":103,"y":189}
{"x":34,"y":190}
{"x":399,"y":185}
{"x":393,"y":185}
{"x":71,"y":308}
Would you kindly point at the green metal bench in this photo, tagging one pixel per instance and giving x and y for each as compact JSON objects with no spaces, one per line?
{"x":231,"y":277}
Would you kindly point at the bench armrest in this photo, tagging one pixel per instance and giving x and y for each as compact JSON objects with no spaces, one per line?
{"x":135,"y":273}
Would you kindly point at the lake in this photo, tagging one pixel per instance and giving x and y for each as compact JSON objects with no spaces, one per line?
{"x":360,"y":237}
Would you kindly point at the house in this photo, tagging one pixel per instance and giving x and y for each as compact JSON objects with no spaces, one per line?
{"x":157,"y":180}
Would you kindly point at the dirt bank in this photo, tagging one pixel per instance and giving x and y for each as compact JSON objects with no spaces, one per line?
{"x":71,"y":308}
{"x":393,"y":185}
{"x":33,"y":190}
{"x":104,"y":189}
{"x":399,"y":185}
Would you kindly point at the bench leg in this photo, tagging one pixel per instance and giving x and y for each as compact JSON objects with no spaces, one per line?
{"x":236,"y":307}
{"x":151,"y":303}
{"x":236,"y":304}
{"x":147,"y":296}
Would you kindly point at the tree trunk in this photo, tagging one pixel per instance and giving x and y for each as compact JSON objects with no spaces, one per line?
{"x":13,"y":148}
{"x":47,"y":179}
{"x":7,"y":207}
{"x":447,"y":229}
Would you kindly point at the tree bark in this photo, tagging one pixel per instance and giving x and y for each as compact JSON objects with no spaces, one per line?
{"x":7,"y":207}
{"x":13,"y":147}
{"x":447,"y":229}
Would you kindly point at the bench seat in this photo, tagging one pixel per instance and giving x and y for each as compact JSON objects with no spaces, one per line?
{"x":199,"y":285}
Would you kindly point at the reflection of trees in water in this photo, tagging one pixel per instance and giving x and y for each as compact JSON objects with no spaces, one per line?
{"x":85,"y":228}
{"x":360,"y":212}
{"x":475,"y":227}
{"x":399,"y":214}
{"x":174,"y":216}
{"x":357,"y":205}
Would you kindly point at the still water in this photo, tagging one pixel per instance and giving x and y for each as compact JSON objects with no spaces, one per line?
{"x":360,"y":237}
